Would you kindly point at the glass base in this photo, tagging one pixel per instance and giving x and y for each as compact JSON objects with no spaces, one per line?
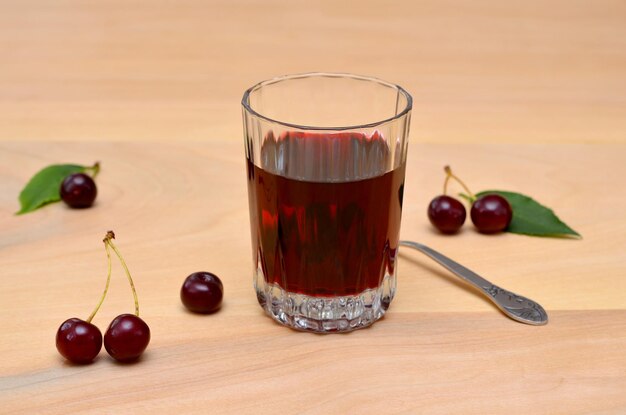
{"x":325,"y":314}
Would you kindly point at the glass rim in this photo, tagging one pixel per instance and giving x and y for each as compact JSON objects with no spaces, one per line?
{"x":245,"y":101}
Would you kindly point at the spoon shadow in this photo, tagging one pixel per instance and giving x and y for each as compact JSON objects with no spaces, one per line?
{"x":446,"y":276}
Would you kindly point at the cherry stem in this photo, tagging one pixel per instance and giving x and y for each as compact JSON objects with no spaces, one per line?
{"x":106,"y":287}
{"x":445,"y":184}
{"x":450,"y":175}
{"x":95,"y":169}
{"x":109,"y":240}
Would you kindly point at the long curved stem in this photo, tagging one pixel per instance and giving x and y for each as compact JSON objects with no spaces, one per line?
{"x":130,"y":279}
{"x":445,"y":184}
{"x":106,"y":287}
{"x":449,"y":175}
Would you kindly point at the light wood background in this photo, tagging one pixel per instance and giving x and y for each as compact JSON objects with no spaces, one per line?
{"x":480,"y":71}
{"x":527,"y":97}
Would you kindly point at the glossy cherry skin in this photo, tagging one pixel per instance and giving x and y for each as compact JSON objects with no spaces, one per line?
{"x":202,"y":292}
{"x":491,"y":213}
{"x":78,"y":190}
{"x":127,"y":337}
{"x":78,"y":341}
{"x":446,"y":214}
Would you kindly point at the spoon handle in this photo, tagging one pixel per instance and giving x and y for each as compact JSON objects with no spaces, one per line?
{"x":517,"y":307}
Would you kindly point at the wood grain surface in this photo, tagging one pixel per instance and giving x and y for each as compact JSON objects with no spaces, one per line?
{"x":526,"y":96}
{"x":486,"y":70}
{"x":179,"y":207}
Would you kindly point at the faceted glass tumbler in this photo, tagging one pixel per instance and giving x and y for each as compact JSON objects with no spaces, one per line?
{"x":326,"y":157}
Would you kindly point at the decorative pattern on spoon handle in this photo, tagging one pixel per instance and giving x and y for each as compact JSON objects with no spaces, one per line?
{"x":516,"y":305}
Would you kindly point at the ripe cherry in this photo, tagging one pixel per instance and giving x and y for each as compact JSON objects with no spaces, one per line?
{"x":127,"y":337}
{"x":78,"y":341}
{"x":78,"y":190}
{"x":491,"y":213}
{"x":446,"y":214}
{"x":202,"y":292}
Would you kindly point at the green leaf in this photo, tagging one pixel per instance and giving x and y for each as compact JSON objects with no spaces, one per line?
{"x":532,"y":218}
{"x":43,"y":187}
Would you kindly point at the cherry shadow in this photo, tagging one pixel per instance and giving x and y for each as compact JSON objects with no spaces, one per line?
{"x":133,"y":362}
{"x":201,"y":314}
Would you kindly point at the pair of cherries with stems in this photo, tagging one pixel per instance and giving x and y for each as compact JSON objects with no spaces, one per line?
{"x":490,"y":213}
{"x":126,"y":338}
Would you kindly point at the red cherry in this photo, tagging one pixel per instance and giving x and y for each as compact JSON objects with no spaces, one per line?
{"x":127,"y":337}
{"x":78,"y":341}
{"x":202,"y":292}
{"x":491,"y":213}
{"x":78,"y":190}
{"x":446,"y":214}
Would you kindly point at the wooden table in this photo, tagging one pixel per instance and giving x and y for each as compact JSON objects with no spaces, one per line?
{"x":181,"y":207}
{"x":526,"y":97}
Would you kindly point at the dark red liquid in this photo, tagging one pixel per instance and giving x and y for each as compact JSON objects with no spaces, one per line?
{"x":325,"y":236}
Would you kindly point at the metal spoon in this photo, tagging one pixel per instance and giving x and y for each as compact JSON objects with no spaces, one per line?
{"x":519,"y":308}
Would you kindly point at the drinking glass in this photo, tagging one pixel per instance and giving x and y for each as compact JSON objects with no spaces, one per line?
{"x":326,"y":156}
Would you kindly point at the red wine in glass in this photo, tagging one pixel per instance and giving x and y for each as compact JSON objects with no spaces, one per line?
{"x":325,"y":212}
